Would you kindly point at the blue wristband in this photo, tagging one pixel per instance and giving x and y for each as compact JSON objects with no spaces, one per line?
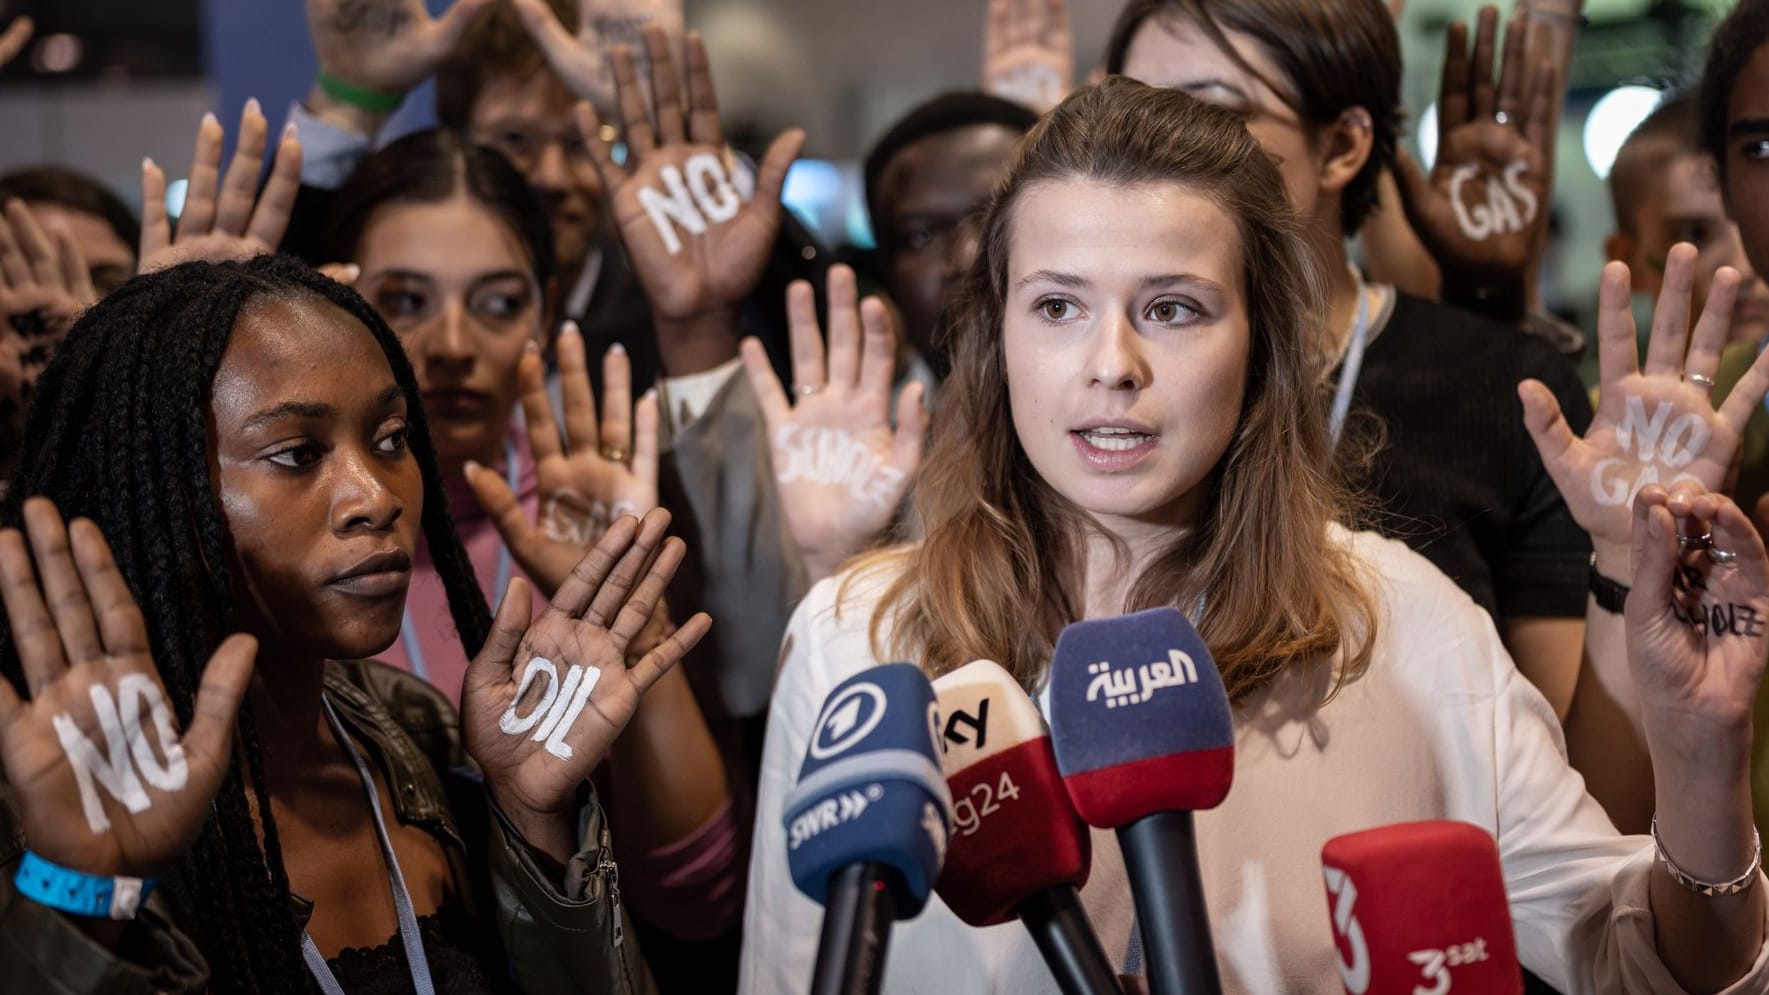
{"x":80,"y":894}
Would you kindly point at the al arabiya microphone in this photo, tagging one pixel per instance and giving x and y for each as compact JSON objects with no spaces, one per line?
{"x":1419,"y":908}
{"x":1018,"y":849}
{"x":867,"y":823}
{"x":1144,"y":737}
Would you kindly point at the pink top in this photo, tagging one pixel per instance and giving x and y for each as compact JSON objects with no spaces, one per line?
{"x":691,"y":888}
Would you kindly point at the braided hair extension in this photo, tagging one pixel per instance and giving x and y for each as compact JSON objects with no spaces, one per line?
{"x":118,"y":433}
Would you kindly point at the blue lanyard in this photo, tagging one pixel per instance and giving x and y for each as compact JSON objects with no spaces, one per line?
{"x":408,"y":633}
{"x":402,"y":899}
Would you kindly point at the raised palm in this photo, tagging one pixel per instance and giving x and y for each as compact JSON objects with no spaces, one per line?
{"x":544,"y":699}
{"x":105,"y":783}
{"x":599,"y":473}
{"x":841,"y":469}
{"x":697,"y":242}
{"x":225,"y":218}
{"x":1029,"y":52}
{"x":388,"y":46}
{"x":579,"y":54}
{"x":1482,"y":209}
{"x":1655,"y":424}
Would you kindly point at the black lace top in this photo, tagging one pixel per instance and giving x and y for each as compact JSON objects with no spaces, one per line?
{"x":457,"y":966}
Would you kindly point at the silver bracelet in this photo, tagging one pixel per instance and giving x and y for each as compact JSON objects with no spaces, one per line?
{"x":1738,"y":884}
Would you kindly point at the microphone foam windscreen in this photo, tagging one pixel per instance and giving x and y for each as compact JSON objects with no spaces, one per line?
{"x":1139,"y":718}
{"x":871,"y":789}
{"x":1014,"y":833}
{"x":1420,"y":907}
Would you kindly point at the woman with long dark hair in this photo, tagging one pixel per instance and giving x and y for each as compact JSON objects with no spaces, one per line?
{"x":240,"y":448}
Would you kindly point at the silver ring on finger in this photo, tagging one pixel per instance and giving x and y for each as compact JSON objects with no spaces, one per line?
{"x":1722,"y":557}
{"x":1703,"y":541}
{"x":806,"y":390}
{"x":1705,"y":382}
{"x":1502,"y":117}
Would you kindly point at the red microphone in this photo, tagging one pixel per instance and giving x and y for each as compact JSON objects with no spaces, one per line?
{"x":1018,"y":850}
{"x":1419,"y":908}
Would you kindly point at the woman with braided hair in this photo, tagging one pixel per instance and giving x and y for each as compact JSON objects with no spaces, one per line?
{"x":239,"y":448}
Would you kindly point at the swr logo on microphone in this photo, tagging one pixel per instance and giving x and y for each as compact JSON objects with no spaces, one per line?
{"x":1120,"y":687}
{"x":832,"y":812}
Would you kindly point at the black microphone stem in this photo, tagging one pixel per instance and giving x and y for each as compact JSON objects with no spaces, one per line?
{"x":1071,"y":950}
{"x":857,"y":920}
{"x":1161,"y":859}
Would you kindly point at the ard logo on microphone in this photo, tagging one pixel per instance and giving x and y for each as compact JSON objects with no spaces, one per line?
{"x":847,"y":720}
{"x":1135,"y":685}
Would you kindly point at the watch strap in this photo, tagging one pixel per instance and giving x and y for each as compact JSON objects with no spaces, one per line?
{"x":1610,"y":595}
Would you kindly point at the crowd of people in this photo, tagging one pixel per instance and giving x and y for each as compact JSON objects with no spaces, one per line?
{"x":425,"y":559}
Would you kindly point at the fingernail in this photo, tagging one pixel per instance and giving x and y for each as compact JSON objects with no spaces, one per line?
{"x":617,"y":349}
{"x":469,"y":468}
{"x":570,"y":328}
{"x":649,"y":395}
{"x":532,"y":348}
{"x":253,"y":108}
{"x":290,"y":131}
{"x":147,"y":163}
{"x":209,"y":118}
{"x":351,"y":272}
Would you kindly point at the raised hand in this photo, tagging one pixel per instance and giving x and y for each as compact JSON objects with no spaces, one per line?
{"x":1029,"y":52}
{"x":1653,"y":425}
{"x":1483,"y":208}
{"x":697,"y":244}
{"x":543,"y":701}
{"x":105,"y":782}
{"x":44,"y":287}
{"x":224,"y":218}
{"x":385,"y":46}
{"x":842,"y":470}
{"x":580,"y":56}
{"x":14,"y":38}
{"x":609,"y":470}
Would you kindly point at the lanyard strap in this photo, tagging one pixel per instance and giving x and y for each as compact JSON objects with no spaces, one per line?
{"x":1354,"y":361}
{"x":402,"y":899}
{"x":408,"y":632}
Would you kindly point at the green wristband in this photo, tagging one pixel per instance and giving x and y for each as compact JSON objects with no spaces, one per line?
{"x":358,"y":96}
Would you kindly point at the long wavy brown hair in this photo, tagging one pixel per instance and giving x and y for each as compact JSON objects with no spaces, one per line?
{"x":999,"y":570}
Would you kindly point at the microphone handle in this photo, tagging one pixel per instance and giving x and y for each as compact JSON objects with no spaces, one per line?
{"x":857,"y":922}
{"x":1161,"y":859}
{"x":1066,"y":939}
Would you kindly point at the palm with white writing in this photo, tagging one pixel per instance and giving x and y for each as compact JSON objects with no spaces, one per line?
{"x":681,"y":161}
{"x":1482,"y":210}
{"x":1653,"y":424}
{"x":841,"y":469}
{"x":225,"y":218}
{"x":579,"y":54}
{"x":600,"y":472}
{"x":1029,"y":52}
{"x":75,"y":629}
{"x":387,"y":46}
{"x":602,"y":606}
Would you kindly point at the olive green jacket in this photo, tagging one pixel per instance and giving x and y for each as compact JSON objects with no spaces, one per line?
{"x":578,"y":939}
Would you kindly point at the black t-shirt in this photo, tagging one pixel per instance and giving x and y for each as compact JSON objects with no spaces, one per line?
{"x":1457,"y":477}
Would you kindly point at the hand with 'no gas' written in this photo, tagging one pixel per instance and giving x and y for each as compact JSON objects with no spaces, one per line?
{"x":841,"y":469}
{"x":1654,"y":424}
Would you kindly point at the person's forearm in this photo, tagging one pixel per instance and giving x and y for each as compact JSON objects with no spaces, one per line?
{"x":1707,"y":942}
{"x":696,"y":344}
{"x":668,"y":775}
{"x":1605,"y":740}
{"x":345,"y":117}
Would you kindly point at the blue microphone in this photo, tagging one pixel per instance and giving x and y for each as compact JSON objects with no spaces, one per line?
{"x":867,"y":823}
{"x":1144,"y":736}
